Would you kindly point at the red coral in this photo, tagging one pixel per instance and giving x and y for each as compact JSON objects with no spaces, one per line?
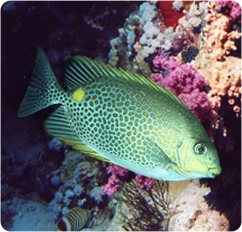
{"x":184,"y":81}
{"x":170,"y":16}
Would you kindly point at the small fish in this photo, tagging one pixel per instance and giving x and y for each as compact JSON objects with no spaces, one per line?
{"x":122,"y":118}
{"x":75,"y":220}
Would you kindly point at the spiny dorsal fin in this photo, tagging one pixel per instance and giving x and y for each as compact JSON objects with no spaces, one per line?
{"x":80,"y":71}
{"x":59,"y":125}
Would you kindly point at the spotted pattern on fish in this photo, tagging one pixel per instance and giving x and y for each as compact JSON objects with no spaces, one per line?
{"x":122,"y":118}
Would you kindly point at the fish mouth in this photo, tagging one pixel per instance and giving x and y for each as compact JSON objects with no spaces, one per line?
{"x":212,"y":172}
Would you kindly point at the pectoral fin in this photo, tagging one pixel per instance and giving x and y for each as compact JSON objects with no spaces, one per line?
{"x":157,"y":155}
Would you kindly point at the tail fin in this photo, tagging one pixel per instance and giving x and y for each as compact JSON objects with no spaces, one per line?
{"x":42,"y":81}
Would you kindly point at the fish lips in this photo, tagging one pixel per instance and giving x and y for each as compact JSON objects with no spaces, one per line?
{"x":214,"y":171}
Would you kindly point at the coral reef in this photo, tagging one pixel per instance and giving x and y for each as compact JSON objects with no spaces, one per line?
{"x":230,"y":7}
{"x":169,"y":14}
{"x":220,"y":39}
{"x":185,"y":82}
{"x":113,"y":180}
{"x":191,"y":212}
{"x":148,"y":209}
{"x":144,"y":181}
{"x":120,"y":174}
{"x":222,"y":72}
{"x":146,"y":34}
{"x":79,"y":186}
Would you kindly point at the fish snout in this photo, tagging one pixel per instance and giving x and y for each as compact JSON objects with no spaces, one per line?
{"x":213,"y":171}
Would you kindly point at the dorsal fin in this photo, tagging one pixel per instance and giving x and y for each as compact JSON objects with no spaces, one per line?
{"x":80,"y":71}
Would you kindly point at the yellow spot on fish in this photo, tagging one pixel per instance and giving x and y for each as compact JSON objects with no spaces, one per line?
{"x":78,"y":95}
{"x":155,"y":134}
{"x":169,"y":136}
{"x":153,"y":116}
{"x":150,"y":104}
{"x":173,"y":146}
{"x":161,"y":135}
{"x":158,"y":128}
{"x":144,"y":101}
{"x":151,"y":109}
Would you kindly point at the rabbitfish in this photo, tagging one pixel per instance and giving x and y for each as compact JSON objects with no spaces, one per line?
{"x":122,"y":118}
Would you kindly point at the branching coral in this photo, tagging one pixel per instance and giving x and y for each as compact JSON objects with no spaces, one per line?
{"x":148,"y":209}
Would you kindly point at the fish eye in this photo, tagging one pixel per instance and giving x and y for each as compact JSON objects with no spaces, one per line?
{"x":200,"y":148}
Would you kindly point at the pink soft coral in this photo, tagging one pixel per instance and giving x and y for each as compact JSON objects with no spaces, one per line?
{"x":144,"y":181}
{"x":113,"y":181}
{"x":117,"y":171}
{"x":234,"y":8}
{"x":185,"y":82}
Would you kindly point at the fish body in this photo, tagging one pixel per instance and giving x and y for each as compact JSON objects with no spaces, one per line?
{"x":74,"y":220}
{"x":122,"y":118}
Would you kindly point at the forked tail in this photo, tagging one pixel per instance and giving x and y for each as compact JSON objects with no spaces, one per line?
{"x":42,"y":83}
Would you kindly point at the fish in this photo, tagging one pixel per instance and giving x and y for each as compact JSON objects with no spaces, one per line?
{"x":74,"y":220}
{"x":121,"y":118}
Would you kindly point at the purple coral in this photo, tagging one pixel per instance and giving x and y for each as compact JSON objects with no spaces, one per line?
{"x":235,"y":9}
{"x":112,"y":184}
{"x":185,"y":82}
{"x":144,"y":181}
{"x":113,"y":181}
